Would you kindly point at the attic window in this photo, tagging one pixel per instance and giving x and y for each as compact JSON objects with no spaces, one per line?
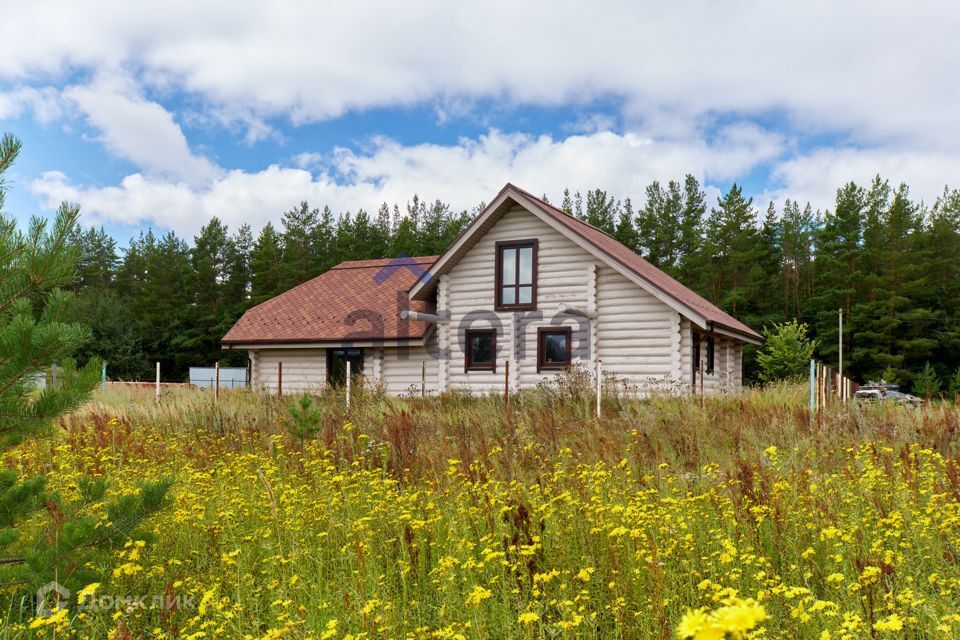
{"x":516,"y":275}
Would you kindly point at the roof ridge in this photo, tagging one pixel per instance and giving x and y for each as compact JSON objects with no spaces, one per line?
{"x":371,"y":263}
{"x":542,"y":203}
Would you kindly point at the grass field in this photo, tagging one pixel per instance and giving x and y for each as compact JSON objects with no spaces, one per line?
{"x":451,"y":518}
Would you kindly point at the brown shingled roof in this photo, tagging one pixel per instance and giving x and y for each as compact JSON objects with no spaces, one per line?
{"x":657,"y":278}
{"x":358,"y":300}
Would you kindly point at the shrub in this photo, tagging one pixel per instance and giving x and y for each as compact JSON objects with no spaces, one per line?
{"x":927,"y":384}
{"x":787,"y":352}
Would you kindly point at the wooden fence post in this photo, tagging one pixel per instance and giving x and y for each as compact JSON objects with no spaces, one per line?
{"x":216,"y":382}
{"x":599,"y":384}
{"x":158,"y":383}
{"x":103,"y":378}
{"x":813,"y":389}
{"x":348,"y":387}
{"x":701,"y":383}
{"x":279,"y":379}
{"x":506,"y":386}
{"x":423,"y":379}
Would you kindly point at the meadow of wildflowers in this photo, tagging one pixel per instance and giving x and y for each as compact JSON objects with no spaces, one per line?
{"x":451,"y":518}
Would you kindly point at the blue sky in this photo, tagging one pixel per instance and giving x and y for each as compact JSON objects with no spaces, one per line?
{"x":163,"y":116}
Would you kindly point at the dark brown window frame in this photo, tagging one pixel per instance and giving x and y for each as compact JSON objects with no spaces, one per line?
{"x":695,"y":355}
{"x":498,"y":286}
{"x":711,"y":353}
{"x":468,"y":365}
{"x":711,"y":348}
{"x":553,"y":366}
{"x":328,"y":357}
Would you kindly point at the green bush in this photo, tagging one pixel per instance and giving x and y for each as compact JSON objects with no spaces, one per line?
{"x":787,"y":352}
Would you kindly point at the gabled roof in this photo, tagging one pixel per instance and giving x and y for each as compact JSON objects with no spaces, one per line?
{"x":356,"y":300}
{"x":697,"y":309}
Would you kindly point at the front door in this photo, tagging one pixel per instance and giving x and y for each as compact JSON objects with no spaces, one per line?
{"x":337,"y":360}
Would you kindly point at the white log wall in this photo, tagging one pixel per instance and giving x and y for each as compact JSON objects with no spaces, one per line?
{"x":633,"y":333}
{"x":303,"y":369}
{"x":402,"y":369}
{"x":727,"y":361}
{"x":562,"y":269}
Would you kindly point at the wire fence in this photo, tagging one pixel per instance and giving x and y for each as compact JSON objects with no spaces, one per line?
{"x":229,"y":377}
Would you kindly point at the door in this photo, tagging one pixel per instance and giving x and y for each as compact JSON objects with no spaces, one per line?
{"x":337,"y":360}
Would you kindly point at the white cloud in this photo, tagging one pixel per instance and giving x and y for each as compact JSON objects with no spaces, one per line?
{"x":45,"y":103}
{"x":815,"y":176}
{"x":139,"y":130}
{"x":463,"y":174}
{"x":878,"y":71}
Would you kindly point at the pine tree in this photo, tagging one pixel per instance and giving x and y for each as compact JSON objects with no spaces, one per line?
{"x":236,"y":289}
{"x":797,"y":230}
{"x":299,"y":245}
{"x":927,"y":383}
{"x":626,"y":232}
{"x":893,"y":325}
{"x":566,"y":205}
{"x":733,"y":245}
{"x":266,"y":265}
{"x":98,"y":258}
{"x":35,"y":267}
{"x":690,"y":255}
{"x":209,"y":256}
{"x":602,"y":211}
{"x":838,"y":275}
{"x":953,"y":385}
{"x":658,"y":225}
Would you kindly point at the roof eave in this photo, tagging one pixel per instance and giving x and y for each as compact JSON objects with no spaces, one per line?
{"x":737,"y":334}
{"x":313,"y":343}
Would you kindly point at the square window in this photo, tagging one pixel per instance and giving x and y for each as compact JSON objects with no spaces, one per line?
{"x":480,"y":349}
{"x":554,"y":348}
{"x":337,"y":360}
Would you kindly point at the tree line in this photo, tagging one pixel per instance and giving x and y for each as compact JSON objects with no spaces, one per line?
{"x":891,"y":263}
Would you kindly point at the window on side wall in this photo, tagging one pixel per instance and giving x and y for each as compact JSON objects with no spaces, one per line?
{"x":711,"y":348}
{"x":516,"y":275}
{"x":553,"y":348}
{"x":696,"y":355}
{"x":481,"y":350}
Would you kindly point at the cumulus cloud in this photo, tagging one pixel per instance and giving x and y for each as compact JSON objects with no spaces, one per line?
{"x":815,"y":176}
{"x":139,"y":130}
{"x":463,"y":174}
{"x":44,"y":103}
{"x":871,"y":70}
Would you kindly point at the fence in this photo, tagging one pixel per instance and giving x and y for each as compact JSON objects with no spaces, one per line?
{"x":230,"y":377}
{"x":826,"y":387}
{"x":38,"y":380}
